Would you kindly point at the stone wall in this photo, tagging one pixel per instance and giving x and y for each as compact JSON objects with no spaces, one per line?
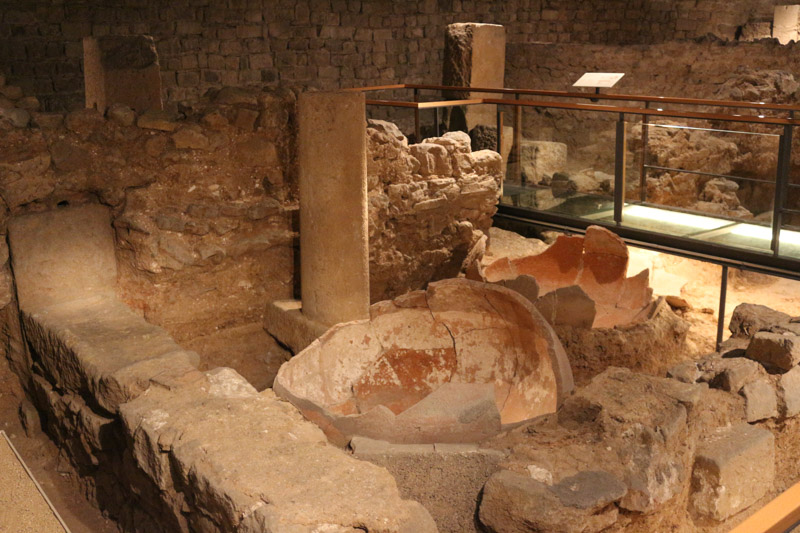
{"x":429,"y":204}
{"x":705,"y":68}
{"x":204,"y":205}
{"x":696,"y":69}
{"x":324,"y":43}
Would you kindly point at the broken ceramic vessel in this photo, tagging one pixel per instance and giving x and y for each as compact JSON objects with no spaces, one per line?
{"x":582,"y":281}
{"x":454,"y":363}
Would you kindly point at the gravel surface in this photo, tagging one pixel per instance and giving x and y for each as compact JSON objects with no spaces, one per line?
{"x":23,"y":509}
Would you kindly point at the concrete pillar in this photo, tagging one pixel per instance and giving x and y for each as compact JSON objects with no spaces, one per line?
{"x":334,"y":251}
{"x":786,"y":23}
{"x":122,"y":70}
{"x":475,"y":56}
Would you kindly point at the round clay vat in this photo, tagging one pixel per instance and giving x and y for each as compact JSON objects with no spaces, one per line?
{"x":454,"y":363}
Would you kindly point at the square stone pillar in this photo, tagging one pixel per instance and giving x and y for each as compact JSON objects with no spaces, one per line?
{"x":786,"y":23}
{"x":475,"y":56}
{"x":122,"y":70}
{"x":334,"y":251}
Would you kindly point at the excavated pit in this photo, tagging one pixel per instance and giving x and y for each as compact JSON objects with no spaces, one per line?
{"x":454,"y":363}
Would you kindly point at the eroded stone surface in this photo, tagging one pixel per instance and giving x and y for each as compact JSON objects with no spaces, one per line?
{"x":449,"y":364}
{"x":250,"y":462}
{"x":781,"y":350}
{"x":732,"y":470}
{"x":514,"y":503}
{"x":749,"y":319}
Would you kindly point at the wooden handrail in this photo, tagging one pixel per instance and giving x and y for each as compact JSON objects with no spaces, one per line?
{"x":648,"y":112}
{"x":591,"y":96}
{"x":775,"y":517}
{"x":775,"y":121}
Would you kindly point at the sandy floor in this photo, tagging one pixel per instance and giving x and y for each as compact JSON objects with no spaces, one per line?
{"x":23,"y":509}
{"x":51,"y":470}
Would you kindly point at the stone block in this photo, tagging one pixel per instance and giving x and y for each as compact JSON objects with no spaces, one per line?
{"x":122,"y":70}
{"x":214,"y":435}
{"x":540,"y":160}
{"x":775,"y":350}
{"x":433,"y":159}
{"x":516,"y":504}
{"x":753,"y":31}
{"x":760,"y":400}
{"x":749,"y":319}
{"x":732,"y":470}
{"x":445,"y":478}
{"x":73,"y":246}
{"x":101,"y":349}
{"x":29,"y":418}
{"x":285,"y":321}
{"x":686,"y":372}
{"x":19,"y":118}
{"x":789,"y":392}
{"x":157,"y":120}
{"x":786,"y":23}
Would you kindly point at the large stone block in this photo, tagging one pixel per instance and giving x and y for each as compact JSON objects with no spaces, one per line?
{"x":513,"y":503}
{"x":62,"y":255}
{"x":786,"y":23}
{"x":249,"y":462}
{"x":122,"y":70}
{"x":101,"y":349}
{"x":775,"y":349}
{"x":749,"y":319}
{"x":789,"y":392}
{"x":733,"y":470}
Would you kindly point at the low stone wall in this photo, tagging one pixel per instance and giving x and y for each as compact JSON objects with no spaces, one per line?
{"x":162,"y":446}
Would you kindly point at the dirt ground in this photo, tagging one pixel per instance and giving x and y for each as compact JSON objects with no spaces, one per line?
{"x":50,"y":469}
{"x":698,"y":283}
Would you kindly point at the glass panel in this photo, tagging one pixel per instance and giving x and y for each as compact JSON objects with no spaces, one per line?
{"x":724,"y":170}
{"x":559,"y":164}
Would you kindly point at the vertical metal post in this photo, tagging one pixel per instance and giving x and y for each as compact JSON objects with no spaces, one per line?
{"x":417,"y":133}
{"x":723,"y":295}
{"x":517,"y":147}
{"x":643,"y":168}
{"x":619,"y":170}
{"x":503,"y":164}
{"x":781,"y":185}
{"x":436,"y":121}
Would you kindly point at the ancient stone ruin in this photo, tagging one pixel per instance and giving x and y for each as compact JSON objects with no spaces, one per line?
{"x":239,"y":293}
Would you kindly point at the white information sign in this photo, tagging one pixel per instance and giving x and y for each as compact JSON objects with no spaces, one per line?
{"x":599,"y":79}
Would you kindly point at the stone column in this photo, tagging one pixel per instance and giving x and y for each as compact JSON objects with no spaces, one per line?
{"x":122,"y":70}
{"x":475,"y":56}
{"x":334,"y":253}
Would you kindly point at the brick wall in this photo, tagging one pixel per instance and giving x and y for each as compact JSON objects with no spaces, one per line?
{"x":322,"y":43}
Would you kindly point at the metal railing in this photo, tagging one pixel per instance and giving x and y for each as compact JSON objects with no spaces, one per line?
{"x":736,"y":257}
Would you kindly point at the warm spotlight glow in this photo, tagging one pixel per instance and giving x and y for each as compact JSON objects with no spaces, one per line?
{"x":674,"y":217}
{"x":765,"y":234}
